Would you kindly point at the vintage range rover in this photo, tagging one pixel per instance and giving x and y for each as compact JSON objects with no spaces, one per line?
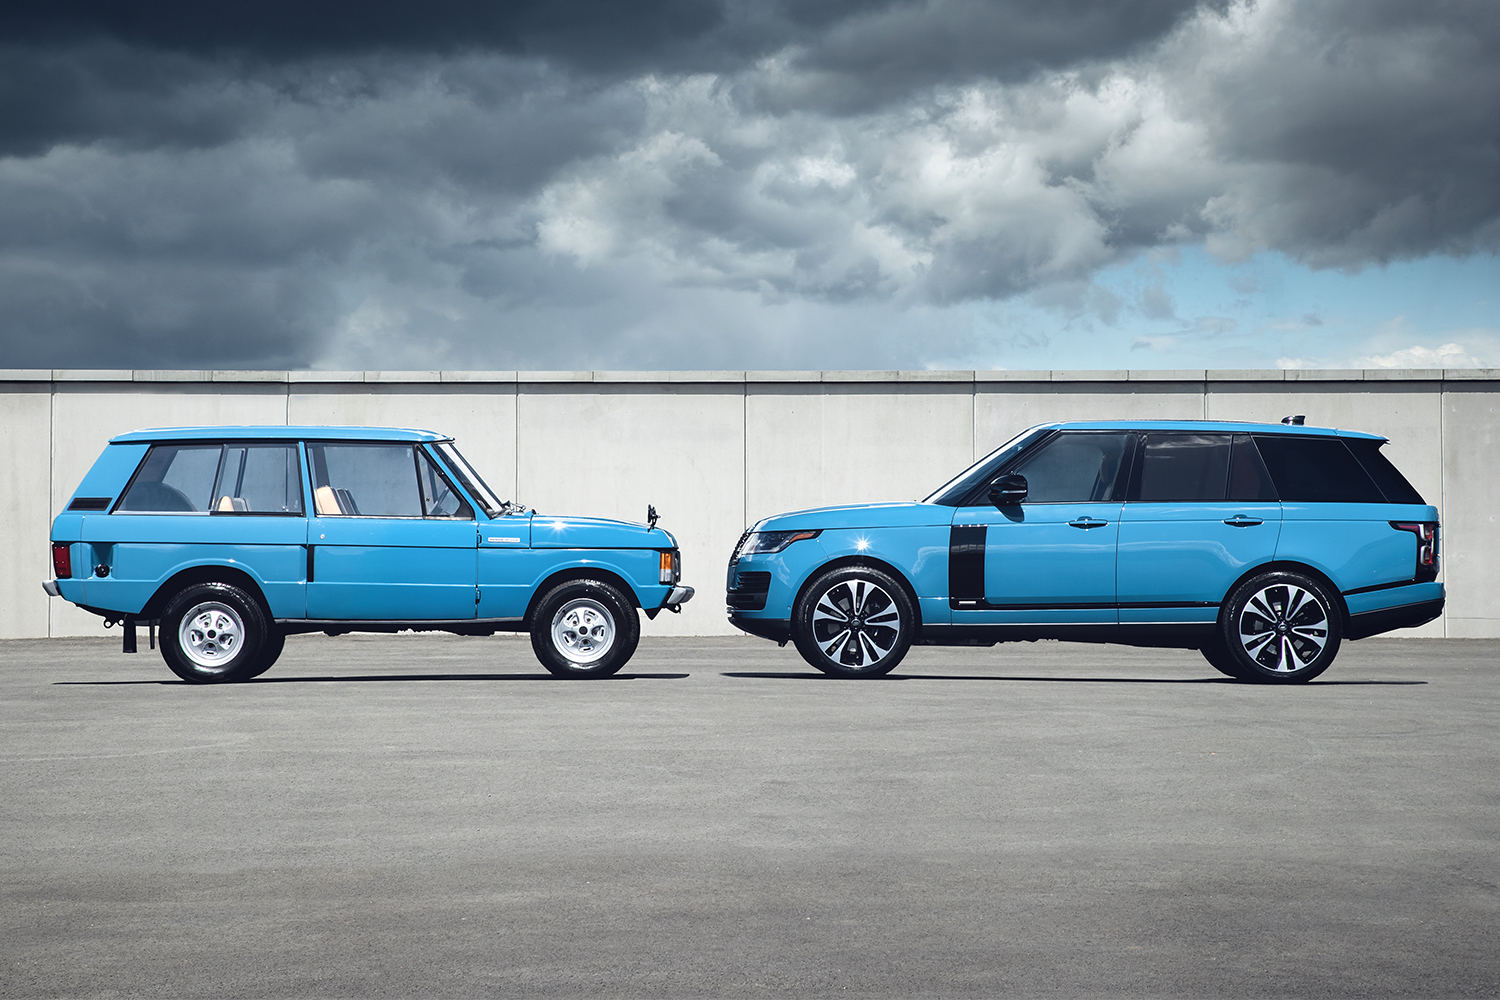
{"x":1262,"y":545}
{"x":231,"y":538}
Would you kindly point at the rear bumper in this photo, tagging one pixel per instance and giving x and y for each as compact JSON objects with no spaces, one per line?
{"x":1368,"y":623}
{"x":50,"y":586}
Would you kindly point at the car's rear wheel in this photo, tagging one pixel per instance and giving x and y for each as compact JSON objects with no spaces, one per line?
{"x":1281,"y":627}
{"x":855,"y":621}
{"x":212,"y":633}
{"x":584,"y":628}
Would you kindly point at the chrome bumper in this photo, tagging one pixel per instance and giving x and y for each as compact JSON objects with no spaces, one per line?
{"x":677,"y":598}
{"x":50,"y":586}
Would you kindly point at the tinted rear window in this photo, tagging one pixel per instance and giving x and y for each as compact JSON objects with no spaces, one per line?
{"x":1316,"y":470}
{"x":1390,"y":480}
{"x":1182,"y":467}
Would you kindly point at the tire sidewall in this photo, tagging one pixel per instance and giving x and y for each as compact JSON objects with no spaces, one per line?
{"x":253,"y":643}
{"x":627,"y":625}
{"x":807,"y":602}
{"x":1228,"y":630}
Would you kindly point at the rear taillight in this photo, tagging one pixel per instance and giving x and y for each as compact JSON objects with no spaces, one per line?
{"x":671,"y":568}
{"x":1427,"y":546}
{"x":62,"y":560}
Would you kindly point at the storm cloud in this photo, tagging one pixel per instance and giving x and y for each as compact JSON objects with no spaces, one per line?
{"x":696,"y":184}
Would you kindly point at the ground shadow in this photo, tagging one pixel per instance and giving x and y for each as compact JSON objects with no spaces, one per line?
{"x":802,"y":675}
{"x":366,"y":678}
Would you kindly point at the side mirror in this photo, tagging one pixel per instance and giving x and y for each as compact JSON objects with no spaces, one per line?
{"x":1008,"y":490}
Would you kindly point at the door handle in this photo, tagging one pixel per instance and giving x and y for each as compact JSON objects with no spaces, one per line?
{"x":1243,"y":521}
{"x":1087,"y":522}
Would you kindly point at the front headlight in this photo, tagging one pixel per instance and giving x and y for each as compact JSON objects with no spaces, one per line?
{"x":773,"y":541}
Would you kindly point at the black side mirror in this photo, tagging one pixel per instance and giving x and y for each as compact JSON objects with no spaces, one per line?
{"x":1008,"y":490}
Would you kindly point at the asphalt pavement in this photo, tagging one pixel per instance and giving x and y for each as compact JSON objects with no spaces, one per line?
{"x":435,"y":816}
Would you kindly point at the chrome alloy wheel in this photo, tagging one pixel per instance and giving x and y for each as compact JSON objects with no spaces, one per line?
{"x":856,"y":623}
{"x":1283,"y":627}
{"x":583,"y":630}
{"x":211,"y":635}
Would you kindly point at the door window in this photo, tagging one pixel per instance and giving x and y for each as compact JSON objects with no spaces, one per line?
{"x":364,"y":480}
{"x":1248,"y":478}
{"x":1183,"y":468}
{"x":1074,"y":468}
{"x":439,"y":499}
{"x":176,"y":478}
{"x":258,"y":479}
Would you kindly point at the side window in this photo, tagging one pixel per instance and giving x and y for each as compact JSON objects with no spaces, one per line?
{"x":1182,"y":467}
{"x":1316,"y":470}
{"x":364,"y":480}
{"x":178,"y":478}
{"x":439,"y":499}
{"x":1074,"y":467}
{"x":1248,"y":478}
{"x":258,"y":479}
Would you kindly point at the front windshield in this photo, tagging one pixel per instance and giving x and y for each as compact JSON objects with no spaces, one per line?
{"x":471,"y":481}
{"x":952,"y":493}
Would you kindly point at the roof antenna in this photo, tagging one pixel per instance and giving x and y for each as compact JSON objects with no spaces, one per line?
{"x":1296,"y":420}
{"x":651,"y":517}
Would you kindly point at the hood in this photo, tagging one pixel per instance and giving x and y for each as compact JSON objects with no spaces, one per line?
{"x":860,"y":515}
{"x":550,"y":531}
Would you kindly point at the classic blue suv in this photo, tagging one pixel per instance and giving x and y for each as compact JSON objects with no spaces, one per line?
{"x":230,"y":538}
{"x":1262,"y":545}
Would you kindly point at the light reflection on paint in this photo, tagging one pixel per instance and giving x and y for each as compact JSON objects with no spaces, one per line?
{"x":862,"y":543}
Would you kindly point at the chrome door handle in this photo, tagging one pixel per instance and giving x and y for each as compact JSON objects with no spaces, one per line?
{"x":1242,"y":521}
{"x":1087,"y":522}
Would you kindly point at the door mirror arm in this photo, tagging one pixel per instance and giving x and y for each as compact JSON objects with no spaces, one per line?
{"x":1007,"y":491}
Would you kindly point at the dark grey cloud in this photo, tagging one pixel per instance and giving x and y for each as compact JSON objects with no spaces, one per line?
{"x":693,"y":183}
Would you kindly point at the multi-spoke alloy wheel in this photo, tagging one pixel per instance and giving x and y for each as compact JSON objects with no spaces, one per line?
{"x":853,"y":622}
{"x":584,"y":628}
{"x":214,"y":632}
{"x":1282,"y":626}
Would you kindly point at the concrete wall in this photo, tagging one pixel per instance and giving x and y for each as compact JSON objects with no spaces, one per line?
{"x":715,"y":451}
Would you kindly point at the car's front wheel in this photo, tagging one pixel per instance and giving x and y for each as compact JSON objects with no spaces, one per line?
{"x":584,"y":628}
{"x":1281,"y":627}
{"x":855,"y":621}
{"x":212,"y":633}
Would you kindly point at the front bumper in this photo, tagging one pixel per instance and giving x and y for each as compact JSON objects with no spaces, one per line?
{"x":677,"y":597}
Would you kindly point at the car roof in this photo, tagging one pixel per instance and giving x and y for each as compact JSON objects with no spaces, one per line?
{"x":279,"y":432}
{"x":1222,"y":426}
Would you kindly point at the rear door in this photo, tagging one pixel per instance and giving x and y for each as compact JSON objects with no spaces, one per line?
{"x":388,"y":538}
{"x":1200,"y":512}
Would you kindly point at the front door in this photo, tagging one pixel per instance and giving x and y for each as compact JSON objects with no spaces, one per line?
{"x":386,"y":540}
{"x":1049,"y":560}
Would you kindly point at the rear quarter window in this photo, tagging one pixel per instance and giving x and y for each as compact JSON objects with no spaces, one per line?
{"x":1316,"y":470}
{"x":1389,"y":478}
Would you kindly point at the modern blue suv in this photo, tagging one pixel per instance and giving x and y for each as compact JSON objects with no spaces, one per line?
{"x":1262,"y":545}
{"x":230,"y":538}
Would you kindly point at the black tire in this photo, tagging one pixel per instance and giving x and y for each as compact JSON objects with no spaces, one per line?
{"x":212,"y":633}
{"x":1218,"y":657}
{"x":1281,"y":627}
{"x":585,"y":628}
{"x":855,"y":621}
{"x":269,"y":653}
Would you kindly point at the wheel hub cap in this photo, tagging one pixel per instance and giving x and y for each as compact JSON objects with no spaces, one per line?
{"x":210,"y":635}
{"x":583,"y":631}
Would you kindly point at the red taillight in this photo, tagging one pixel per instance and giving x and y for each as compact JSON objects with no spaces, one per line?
{"x":1427,"y":545}
{"x":62,"y":560}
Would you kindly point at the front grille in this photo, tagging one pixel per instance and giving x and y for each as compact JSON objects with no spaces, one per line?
{"x":749,"y":591}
